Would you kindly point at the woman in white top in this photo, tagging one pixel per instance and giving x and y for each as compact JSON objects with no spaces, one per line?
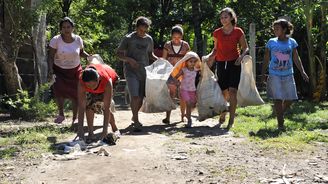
{"x":64,"y":55}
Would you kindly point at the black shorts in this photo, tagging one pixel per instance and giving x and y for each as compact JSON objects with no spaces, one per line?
{"x":228,"y":74}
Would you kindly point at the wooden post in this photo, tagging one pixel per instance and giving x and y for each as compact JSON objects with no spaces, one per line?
{"x":252,"y":39}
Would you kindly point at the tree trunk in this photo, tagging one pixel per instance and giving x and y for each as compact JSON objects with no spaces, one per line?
{"x":11,"y":76}
{"x":39,"y":49}
{"x":322,"y":46}
{"x":312,"y":65}
{"x":197,"y":26}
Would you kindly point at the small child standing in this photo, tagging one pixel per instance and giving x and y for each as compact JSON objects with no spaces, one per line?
{"x":187,"y":85}
{"x":280,"y":53}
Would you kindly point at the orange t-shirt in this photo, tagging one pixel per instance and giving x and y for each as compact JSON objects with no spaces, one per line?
{"x":227,"y":44}
{"x":106,"y":73}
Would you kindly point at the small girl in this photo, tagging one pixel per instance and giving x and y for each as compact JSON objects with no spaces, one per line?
{"x":281,"y":52}
{"x":187,"y":84}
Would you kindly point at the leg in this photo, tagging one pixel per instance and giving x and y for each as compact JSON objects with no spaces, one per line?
{"x":167,"y":118}
{"x":285,"y":105}
{"x":182,"y":109}
{"x":136,"y":103}
{"x":188,"y":113}
{"x":223,"y":114}
{"x":279,"y":112}
{"x":75,"y":109}
{"x":60,"y":104}
{"x":90,"y":116}
{"x":233,"y":106}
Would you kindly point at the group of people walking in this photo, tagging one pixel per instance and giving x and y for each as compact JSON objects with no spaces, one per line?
{"x":91,"y":89}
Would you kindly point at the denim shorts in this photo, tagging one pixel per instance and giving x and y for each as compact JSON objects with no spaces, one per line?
{"x":281,"y":87}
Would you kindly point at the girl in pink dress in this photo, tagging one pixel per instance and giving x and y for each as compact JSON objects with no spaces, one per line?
{"x":188,"y":86}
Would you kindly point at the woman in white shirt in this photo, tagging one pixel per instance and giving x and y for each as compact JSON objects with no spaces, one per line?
{"x":64,"y":62}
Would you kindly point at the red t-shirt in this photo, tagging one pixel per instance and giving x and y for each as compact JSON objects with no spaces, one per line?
{"x":105,"y":73}
{"x":227,"y":44}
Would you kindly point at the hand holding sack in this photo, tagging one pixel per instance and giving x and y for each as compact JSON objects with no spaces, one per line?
{"x":248,"y":94}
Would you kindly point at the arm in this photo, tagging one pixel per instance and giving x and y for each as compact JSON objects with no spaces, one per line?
{"x":121,"y":54}
{"x":244,"y":47}
{"x":212,"y":55}
{"x":164,"y":53}
{"x":107,"y":101}
{"x":84,"y":54}
{"x":265,"y":64}
{"x":298,"y":63}
{"x":82,"y":102}
{"x":51,"y":57}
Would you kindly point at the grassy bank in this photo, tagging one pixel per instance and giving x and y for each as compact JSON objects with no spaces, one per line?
{"x":305,"y":123}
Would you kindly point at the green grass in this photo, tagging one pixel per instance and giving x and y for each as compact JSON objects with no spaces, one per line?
{"x":305,"y":123}
{"x":32,"y":142}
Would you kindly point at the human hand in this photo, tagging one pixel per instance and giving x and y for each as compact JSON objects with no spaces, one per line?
{"x":305,"y":76}
{"x":238,"y":60}
{"x":133,"y":63}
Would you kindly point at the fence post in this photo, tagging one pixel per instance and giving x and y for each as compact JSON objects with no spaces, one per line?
{"x":252,"y":39}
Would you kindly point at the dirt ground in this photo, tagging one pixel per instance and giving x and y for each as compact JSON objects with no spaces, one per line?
{"x":174,"y":154}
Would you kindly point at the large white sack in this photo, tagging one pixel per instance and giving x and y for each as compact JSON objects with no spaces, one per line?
{"x":248,"y":94}
{"x":210,"y":100}
{"x":158,"y":98}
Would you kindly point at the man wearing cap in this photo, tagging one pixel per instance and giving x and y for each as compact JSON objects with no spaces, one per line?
{"x":135,"y":50}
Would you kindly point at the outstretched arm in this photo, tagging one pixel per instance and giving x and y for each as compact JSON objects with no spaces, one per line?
{"x":107,"y":101}
{"x":82,"y":106}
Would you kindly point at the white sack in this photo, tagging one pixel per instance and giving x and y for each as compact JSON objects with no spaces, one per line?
{"x":210,"y":100}
{"x":247,"y":94}
{"x":158,"y":98}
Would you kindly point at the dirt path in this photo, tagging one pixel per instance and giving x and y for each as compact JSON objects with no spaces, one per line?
{"x":174,"y":154}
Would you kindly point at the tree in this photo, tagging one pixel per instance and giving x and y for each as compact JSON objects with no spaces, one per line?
{"x":17,"y":29}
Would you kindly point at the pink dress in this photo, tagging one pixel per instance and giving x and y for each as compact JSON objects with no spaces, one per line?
{"x":188,"y":87}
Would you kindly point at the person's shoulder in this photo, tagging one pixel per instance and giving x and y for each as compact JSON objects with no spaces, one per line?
{"x":238,"y":30}
{"x":184,"y":42}
{"x":57,"y":37}
{"x":274,"y":39}
{"x":292,"y":40}
{"x":130,"y":35}
{"x":148,"y":36}
{"x":218,"y":30}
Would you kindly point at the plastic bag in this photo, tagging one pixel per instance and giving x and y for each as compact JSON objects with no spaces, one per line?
{"x":158,"y":98}
{"x":210,"y":100}
{"x":247,"y":94}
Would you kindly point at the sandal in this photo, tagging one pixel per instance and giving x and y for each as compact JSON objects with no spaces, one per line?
{"x":59,"y":119}
{"x":165,"y":121}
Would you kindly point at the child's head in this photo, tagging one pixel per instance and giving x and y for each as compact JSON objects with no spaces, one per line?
{"x":191,"y":62}
{"x":227,"y":16}
{"x":282,"y":27}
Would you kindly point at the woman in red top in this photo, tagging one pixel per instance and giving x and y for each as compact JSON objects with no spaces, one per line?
{"x":230,"y":47}
{"x":95,"y":93}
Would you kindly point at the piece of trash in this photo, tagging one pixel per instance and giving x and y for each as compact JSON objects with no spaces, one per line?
{"x":129,"y":150}
{"x":209,"y":152}
{"x":103,"y":152}
{"x":179,"y":157}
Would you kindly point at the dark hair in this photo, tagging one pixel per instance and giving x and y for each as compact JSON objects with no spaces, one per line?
{"x":142,"y":21}
{"x":231,"y":13}
{"x":285,"y":24}
{"x":90,"y":74}
{"x":177,"y":29}
{"x":66,"y":19}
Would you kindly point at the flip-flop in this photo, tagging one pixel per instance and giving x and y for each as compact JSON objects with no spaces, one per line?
{"x":165,"y":121}
{"x":59,"y":119}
